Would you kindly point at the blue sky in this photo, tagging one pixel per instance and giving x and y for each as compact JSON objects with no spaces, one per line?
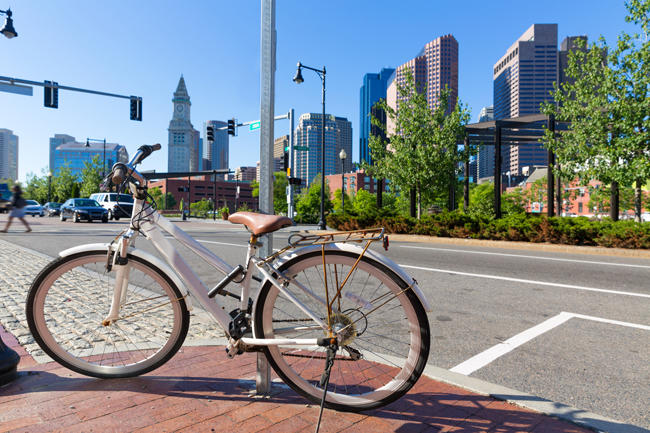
{"x":141,"y":48}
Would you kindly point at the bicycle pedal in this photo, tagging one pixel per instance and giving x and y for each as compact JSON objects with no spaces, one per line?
{"x":234,"y":348}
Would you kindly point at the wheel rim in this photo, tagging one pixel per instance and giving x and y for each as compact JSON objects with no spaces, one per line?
{"x":383,"y":371}
{"x":75,"y":297}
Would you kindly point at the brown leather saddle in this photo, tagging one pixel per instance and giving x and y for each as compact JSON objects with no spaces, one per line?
{"x":259,"y":224}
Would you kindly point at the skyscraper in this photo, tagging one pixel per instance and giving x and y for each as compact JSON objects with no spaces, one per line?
{"x":523,"y":79}
{"x":8,"y":155}
{"x":338,"y":135}
{"x":183,"y":149}
{"x":279,"y":145}
{"x":434,"y":68}
{"x":216,"y":152}
{"x":373,"y":89}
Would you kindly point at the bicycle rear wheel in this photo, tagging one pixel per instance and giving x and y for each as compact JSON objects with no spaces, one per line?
{"x":385,"y":343}
{"x":71,"y":297}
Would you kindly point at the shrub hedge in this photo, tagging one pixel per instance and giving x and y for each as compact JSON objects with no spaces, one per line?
{"x":514,"y":227}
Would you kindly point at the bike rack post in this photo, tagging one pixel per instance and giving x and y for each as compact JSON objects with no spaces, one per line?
{"x":267,"y":79}
{"x":262,"y":376}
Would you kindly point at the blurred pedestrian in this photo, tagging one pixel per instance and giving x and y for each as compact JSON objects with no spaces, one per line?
{"x":18,"y":204}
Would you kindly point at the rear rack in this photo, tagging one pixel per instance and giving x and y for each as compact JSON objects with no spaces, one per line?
{"x":302,"y":239}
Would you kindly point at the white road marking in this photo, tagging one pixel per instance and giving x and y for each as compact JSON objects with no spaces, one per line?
{"x":523,"y":256}
{"x":519,"y":280}
{"x":484,"y":358}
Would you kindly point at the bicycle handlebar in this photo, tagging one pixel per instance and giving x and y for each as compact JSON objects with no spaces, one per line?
{"x":118,"y":173}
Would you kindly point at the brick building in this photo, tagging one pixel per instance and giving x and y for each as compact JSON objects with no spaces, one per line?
{"x":202,"y":187}
{"x":353,"y":182}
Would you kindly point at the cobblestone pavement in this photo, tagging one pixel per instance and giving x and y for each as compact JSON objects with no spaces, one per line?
{"x":20,"y":266}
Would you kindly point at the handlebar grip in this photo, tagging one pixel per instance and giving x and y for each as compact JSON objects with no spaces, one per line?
{"x":118,"y":175}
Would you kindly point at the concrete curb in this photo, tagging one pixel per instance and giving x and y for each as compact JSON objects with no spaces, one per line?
{"x":562,"y":411}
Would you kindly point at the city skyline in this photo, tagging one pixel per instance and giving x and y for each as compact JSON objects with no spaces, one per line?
{"x":104,"y":52}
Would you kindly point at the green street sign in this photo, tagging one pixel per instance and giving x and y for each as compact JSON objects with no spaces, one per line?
{"x":253,"y":126}
{"x":300,"y":147}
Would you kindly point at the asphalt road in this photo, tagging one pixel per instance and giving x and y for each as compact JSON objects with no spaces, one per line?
{"x":572,"y":328}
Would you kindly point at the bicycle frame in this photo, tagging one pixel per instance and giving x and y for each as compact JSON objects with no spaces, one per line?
{"x":152,"y":226}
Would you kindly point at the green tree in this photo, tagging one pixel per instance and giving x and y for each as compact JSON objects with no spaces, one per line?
{"x":606,"y":102}
{"x":422,"y":151}
{"x":201,"y":208}
{"x":36,"y":188}
{"x":336,"y":202}
{"x":308,"y":203}
{"x":255,"y":185}
{"x":167,"y":202}
{"x":91,"y":177}
{"x":280,"y":183}
{"x":64,"y":184}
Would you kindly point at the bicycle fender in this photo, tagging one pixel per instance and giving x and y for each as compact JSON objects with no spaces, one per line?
{"x":140,"y":254}
{"x":369,"y":253}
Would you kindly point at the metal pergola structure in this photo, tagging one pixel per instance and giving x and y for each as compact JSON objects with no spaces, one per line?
{"x":516,"y":131}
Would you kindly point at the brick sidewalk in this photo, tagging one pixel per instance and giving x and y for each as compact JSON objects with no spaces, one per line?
{"x":201,"y":390}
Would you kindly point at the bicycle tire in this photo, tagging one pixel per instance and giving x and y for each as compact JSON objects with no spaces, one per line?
{"x":380,"y":376}
{"x":72,"y":295}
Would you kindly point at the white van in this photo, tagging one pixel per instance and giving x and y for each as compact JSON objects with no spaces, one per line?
{"x":118,"y":205}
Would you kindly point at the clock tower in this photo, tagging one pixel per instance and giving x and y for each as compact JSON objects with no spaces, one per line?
{"x":183,"y":147}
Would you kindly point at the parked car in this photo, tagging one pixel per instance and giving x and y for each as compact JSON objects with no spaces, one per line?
{"x":34,"y":208}
{"x":117,"y":205}
{"x":83,"y":209}
{"x":52,"y":208}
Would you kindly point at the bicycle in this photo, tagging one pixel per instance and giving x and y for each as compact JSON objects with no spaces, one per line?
{"x":324,"y":302}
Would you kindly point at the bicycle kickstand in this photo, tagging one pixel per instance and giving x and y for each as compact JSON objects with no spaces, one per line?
{"x":332,"y":347}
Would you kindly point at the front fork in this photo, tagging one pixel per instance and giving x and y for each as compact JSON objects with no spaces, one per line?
{"x":118,"y":260}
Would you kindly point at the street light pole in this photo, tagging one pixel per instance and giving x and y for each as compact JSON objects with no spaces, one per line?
{"x":97,"y":140}
{"x":343,"y":155}
{"x":49,"y":186}
{"x":298,"y":79}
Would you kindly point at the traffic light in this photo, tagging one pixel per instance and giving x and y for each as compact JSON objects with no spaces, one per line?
{"x":286,"y":160}
{"x":51,"y":94}
{"x":210,"y":133}
{"x":295,"y":181}
{"x":231,"y":127}
{"x":136,"y":108}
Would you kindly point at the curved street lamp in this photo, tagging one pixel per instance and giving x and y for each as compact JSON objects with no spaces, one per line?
{"x":8,"y":29}
{"x":298,"y":79}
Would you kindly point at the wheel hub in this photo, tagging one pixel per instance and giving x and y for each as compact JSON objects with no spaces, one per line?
{"x":343,"y":327}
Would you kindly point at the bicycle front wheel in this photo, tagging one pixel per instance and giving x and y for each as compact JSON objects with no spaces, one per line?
{"x":384,"y":334}
{"x":70,"y":299}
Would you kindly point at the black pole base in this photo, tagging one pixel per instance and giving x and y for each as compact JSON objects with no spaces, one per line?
{"x":9,"y":360}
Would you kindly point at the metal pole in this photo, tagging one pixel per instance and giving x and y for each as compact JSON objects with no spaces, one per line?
{"x":267,"y":99}
{"x":550,"y":181}
{"x":291,"y":165}
{"x":497,"y":170}
{"x":321,"y":223}
{"x":214,"y":196}
{"x":104,"y":161}
{"x":343,"y":186}
{"x":466,"y":179}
